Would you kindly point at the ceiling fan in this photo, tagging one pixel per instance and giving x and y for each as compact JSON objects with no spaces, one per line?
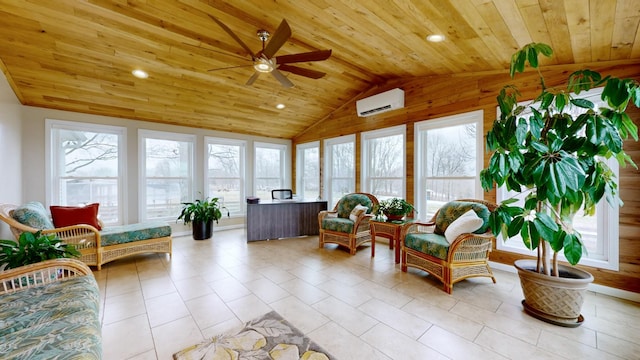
{"x":265,"y":62}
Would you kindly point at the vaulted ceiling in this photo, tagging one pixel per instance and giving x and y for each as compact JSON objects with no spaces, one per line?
{"x":78,"y":55}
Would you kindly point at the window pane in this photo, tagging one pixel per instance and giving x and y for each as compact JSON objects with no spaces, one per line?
{"x":451,"y":151}
{"x":168,"y":158}
{"x":164,"y":197}
{"x":440,"y":191}
{"x":224,"y":173}
{"x":343,"y":160}
{"x":264,"y":187}
{"x":311,"y":173}
{"x":386,"y":188}
{"x":86,"y":166}
{"x":268,"y":162}
{"x":384,"y":170}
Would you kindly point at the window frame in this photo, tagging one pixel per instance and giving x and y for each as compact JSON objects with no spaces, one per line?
{"x":366,"y":165}
{"x":301,"y":179}
{"x":242,"y":144}
{"x":51,"y":169}
{"x":283,"y":164}
{"x":144,"y":134}
{"x":420,"y":148}
{"x":328,"y":173}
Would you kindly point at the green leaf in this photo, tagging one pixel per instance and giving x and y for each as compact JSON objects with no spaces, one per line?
{"x":544,"y":49}
{"x":572,"y":248}
{"x":515,"y":226}
{"x":539,"y":146}
{"x":561,"y":101}
{"x":582,"y":103}
{"x":532,"y":56}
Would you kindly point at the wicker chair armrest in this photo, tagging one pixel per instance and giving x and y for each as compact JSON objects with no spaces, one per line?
{"x":325,"y":213}
{"x":474,"y":246}
{"x":41,"y":273}
{"x":417,"y":227}
{"x":362,"y":223}
{"x":81,"y":236}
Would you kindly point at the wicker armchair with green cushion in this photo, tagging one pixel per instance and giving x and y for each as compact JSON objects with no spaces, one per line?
{"x":348,"y":223}
{"x":454,"y":245}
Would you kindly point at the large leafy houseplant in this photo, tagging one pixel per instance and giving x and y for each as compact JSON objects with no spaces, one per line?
{"x":202,"y":213}
{"x":32,"y":248}
{"x":557,"y":160}
{"x":394,"y":207}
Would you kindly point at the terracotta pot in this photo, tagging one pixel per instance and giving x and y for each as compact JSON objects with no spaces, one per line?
{"x":392,"y":217}
{"x":556,"y":300}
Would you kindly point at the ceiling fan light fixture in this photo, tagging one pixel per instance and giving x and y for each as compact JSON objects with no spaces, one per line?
{"x":280,"y":106}
{"x":263,"y":65}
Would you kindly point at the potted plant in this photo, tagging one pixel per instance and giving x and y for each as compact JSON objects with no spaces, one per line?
{"x":555,"y":160}
{"x":394,"y":208}
{"x":202,"y":213}
{"x":32,"y":248}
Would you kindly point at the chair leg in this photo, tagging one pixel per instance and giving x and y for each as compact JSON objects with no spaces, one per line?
{"x":321,"y":240}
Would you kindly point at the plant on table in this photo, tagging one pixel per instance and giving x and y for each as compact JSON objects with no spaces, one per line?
{"x":33,"y":248}
{"x":394,"y":207}
{"x":202,"y":213}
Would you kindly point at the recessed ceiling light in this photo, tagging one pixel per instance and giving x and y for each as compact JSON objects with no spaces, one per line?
{"x":280,"y":106}
{"x":435,"y":38}
{"x":141,"y":74}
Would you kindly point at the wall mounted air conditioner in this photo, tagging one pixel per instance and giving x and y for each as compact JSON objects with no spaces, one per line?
{"x":379,"y":103}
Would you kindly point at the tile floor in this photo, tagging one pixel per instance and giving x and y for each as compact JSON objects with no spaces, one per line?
{"x":357,"y":307}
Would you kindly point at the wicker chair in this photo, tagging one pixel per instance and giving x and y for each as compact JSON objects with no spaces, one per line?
{"x":424,"y":245}
{"x":336,"y":226}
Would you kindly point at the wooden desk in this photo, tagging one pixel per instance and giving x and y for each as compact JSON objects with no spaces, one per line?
{"x":391,"y":230}
{"x":274,"y":219}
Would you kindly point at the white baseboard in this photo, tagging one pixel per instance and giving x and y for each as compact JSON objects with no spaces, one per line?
{"x":601,"y":289}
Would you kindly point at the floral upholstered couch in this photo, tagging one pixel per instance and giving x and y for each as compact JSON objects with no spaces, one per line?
{"x":50,"y":310}
{"x":97,"y":246}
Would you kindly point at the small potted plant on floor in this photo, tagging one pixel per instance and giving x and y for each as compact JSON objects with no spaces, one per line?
{"x":201,"y":214}
{"x":33,"y":248}
{"x":394,"y":209}
{"x":554,"y":159}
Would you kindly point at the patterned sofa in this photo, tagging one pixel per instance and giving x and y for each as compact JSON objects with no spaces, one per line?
{"x":50,"y":310}
{"x":97,"y":247}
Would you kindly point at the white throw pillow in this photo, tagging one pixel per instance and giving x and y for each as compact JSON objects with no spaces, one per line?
{"x":357,"y":211}
{"x":465,"y":223}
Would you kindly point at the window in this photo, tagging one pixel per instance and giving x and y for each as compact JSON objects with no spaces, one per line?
{"x":166,"y":179}
{"x":383,"y":162}
{"x":599,"y":232}
{"x":225,"y":161}
{"x":448,"y":161}
{"x":308,"y":170}
{"x":86,"y":166}
{"x":340,"y":160}
{"x":270,"y":167}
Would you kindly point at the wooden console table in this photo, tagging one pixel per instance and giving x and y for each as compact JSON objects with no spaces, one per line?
{"x":274,"y":219}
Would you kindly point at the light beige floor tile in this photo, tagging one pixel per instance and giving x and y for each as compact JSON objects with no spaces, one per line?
{"x":230,"y":326}
{"x":344,"y":292}
{"x":511,"y":347}
{"x":149,"y":355}
{"x":124,"y":306}
{"x":248,"y":307}
{"x":126,"y":338}
{"x":165,"y":308}
{"x":342,"y":344}
{"x":304,"y":291}
{"x":518,"y":329}
{"x":157,"y":286}
{"x":193,"y":287}
{"x":571,"y":349}
{"x":456,"y":347}
{"x":276,"y":274}
{"x":458,"y":325}
{"x":176,"y":335}
{"x":347,"y":316}
{"x":397,"y":345}
{"x":209,"y":310}
{"x":267,"y":290}
{"x":229,"y":289}
{"x":299,"y":314}
{"x":619,"y":347}
{"x":310,"y":275}
{"x":383,"y":293}
{"x":399,"y":320}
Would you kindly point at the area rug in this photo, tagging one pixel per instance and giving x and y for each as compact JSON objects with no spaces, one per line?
{"x":267,"y":337}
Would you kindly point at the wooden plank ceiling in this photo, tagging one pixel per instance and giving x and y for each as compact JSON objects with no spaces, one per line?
{"x":78,"y":55}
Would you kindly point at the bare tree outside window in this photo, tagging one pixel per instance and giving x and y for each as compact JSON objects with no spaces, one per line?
{"x":224,"y":175}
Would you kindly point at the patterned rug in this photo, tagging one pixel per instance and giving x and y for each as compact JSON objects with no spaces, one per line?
{"x":267,"y":337}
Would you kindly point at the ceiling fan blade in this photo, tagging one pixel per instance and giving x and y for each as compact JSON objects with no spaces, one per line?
{"x":313,"y":74}
{"x":304,"y":57}
{"x":229,"y":67}
{"x":234,"y":36}
{"x":253,"y":78}
{"x":283,"y":79}
{"x":282,"y":34}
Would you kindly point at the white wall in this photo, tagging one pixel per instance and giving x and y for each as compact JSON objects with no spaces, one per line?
{"x":10,"y":150}
{"x":30,"y":147}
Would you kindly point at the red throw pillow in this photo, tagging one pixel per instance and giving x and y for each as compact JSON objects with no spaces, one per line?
{"x":74,"y":215}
